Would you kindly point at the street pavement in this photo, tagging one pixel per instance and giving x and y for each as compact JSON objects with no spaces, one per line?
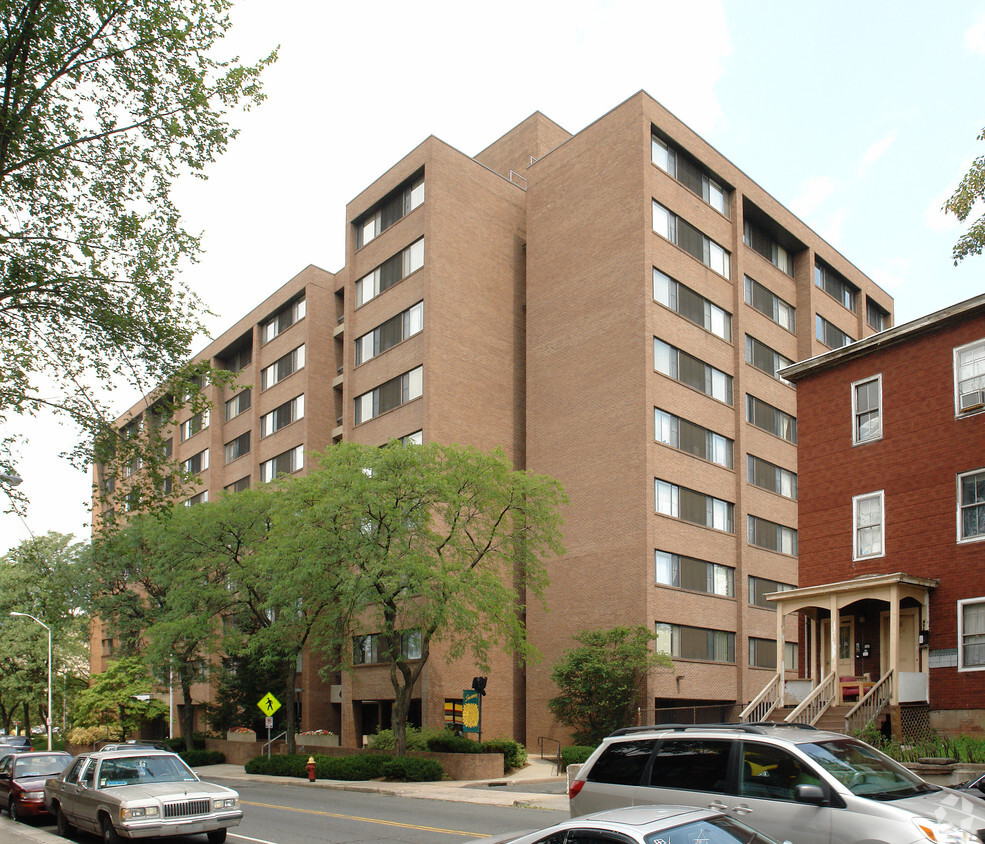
{"x":534,"y":786}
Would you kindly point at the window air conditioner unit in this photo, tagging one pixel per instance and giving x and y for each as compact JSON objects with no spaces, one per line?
{"x":971,"y":401}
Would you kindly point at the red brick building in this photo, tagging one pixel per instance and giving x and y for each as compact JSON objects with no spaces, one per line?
{"x":891,"y":462}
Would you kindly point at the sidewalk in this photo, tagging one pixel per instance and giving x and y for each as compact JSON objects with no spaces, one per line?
{"x":527,"y":787}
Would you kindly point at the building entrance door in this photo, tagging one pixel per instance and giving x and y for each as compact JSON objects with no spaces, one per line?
{"x":845,"y":665}
{"x":908,"y":657}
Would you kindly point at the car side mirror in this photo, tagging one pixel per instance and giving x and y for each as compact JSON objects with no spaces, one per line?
{"x":812,"y":794}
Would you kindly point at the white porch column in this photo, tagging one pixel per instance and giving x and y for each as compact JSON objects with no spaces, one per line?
{"x":833,"y":633}
{"x":813,"y":653}
{"x":894,"y":640}
{"x":780,"y":649}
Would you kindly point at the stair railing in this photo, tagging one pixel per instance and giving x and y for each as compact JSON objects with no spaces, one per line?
{"x":765,"y":702}
{"x":870,"y":704}
{"x":812,"y":707}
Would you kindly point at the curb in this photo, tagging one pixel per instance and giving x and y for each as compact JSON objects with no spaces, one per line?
{"x":21,"y":832}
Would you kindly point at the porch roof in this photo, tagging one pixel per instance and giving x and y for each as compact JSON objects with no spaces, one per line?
{"x":882,"y":587}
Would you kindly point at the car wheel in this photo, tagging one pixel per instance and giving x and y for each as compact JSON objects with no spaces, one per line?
{"x":110,"y":835}
{"x":12,"y":811}
{"x":64,"y":827}
{"x":217,"y":836}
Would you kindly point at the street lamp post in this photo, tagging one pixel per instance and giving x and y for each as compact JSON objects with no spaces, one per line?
{"x":46,"y":627}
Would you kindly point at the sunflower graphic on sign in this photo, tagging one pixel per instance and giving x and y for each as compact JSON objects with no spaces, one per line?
{"x":471,"y":711}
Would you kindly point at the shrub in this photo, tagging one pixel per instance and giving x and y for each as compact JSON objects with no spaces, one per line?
{"x":87,"y":735}
{"x":350,"y":768}
{"x":412,"y":769}
{"x":197,"y":758}
{"x":446,"y":742}
{"x":575,"y":755}
{"x":514,"y":753}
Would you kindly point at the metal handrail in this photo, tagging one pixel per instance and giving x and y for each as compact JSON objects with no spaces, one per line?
{"x":557,"y":756}
{"x":271,"y":741}
{"x":810,"y":709}
{"x":871,"y":703}
{"x":765,"y":702}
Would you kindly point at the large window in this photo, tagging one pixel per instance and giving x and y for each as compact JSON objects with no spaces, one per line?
{"x":769,"y":476}
{"x":760,"y":587}
{"x":971,"y":634}
{"x":282,"y":320}
{"x":236,"y":360}
{"x":237,"y":447}
{"x":971,"y":505}
{"x":692,"y":306}
{"x":770,"y":419}
{"x":197,"y":462}
{"x":764,"y":358}
{"x":395,"y":206}
{"x":200,"y":498}
{"x":680,"y":433}
{"x":694,"y":507}
{"x":677,"y":163}
{"x":238,"y":486}
{"x":667,"y":224}
{"x":696,"y":575}
{"x":700,"y":643}
{"x":280,"y":417}
{"x":829,"y":334}
{"x":238,"y":404}
{"x":386,"y":335}
{"x":768,"y":303}
{"x":283,"y":464}
{"x":869,"y":525}
{"x":969,"y":377}
{"x":867,"y":410}
{"x":281,"y":368}
{"x":769,"y":535}
{"x":370,"y":648}
{"x":392,"y":394}
{"x":682,"y":367}
{"x":836,"y":285}
{"x":762,"y":654}
{"x":392,"y":270}
{"x":190,"y":427}
{"x":761,"y":242}
{"x":875,"y":316}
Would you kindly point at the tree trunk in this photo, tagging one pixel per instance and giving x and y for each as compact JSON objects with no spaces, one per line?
{"x":290,"y":729}
{"x":187,"y":714}
{"x":401,"y":706}
{"x":27,"y":718}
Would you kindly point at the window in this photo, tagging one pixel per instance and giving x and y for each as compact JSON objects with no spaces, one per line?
{"x":394,"y":393}
{"x":695,"y":765}
{"x":388,"y":334}
{"x":760,"y":587}
{"x":694,"y":507}
{"x":201,"y":498}
{"x":281,"y":368}
{"x":969,"y":377}
{"x":689,"y":370}
{"x":695,"y":643}
{"x":453,"y":712}
{"x":370,"y":648}
{"x":238,"y":447}
{"x":695,"y":575}
{"x":867,"y":410}
{"x":197,"y":463}
{"x":835,"y":285}
{"x":769,"y":476}
{"x":283,"y":464}
{"x":167,"y":449}
{"x":762,"y":654}
{"x":770,"y":419}
{"x":760,"y":241}
{"x":238,"y":404}
{"x":237,"y":360}
{"x":765,"y":359}
{"x":771,"y":536}
{"x":192,"y":426}
{"x":392,"y":270}
{"x":688,"y":172}
{"x":288,"y":412}
{"x":687,"y":237}
{"x":238,"y":486}
{"x":770,"y":305}
{"x":832,"y":336}
{"x":417,"y":438}
{"x":867,"y":516}
{"x":394,"y":207}
{"x":971,"y":634}
{"x":971,"y":505}
{"x":680,"y":433}
{"x":282,"y":320}
{"x":692,"y":306}
{"x":876,"y":317}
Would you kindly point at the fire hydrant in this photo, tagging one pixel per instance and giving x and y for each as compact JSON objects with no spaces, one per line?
{"x":311,"y":768}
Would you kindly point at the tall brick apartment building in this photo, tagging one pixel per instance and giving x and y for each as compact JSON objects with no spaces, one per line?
{"x":892,"y":520}
{"x":611,"y":308}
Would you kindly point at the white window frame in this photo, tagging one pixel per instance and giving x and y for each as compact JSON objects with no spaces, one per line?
{"x":962,"y":539}
{"x":856,"y":437}
{"x":856,"y":527}
{"x":961,"y":634}
{"x":957,"y":394}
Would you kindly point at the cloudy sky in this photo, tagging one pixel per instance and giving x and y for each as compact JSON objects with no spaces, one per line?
{"x":859,"y":117}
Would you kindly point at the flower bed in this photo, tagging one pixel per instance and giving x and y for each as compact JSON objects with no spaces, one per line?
{"x":241,"y":734}
{"x":318,"y":738}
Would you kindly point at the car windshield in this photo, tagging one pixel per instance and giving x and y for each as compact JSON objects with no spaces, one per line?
{"x":719,"y":830}
{"x":41,"y":766}
{"x":141,"y":770}
{"x":864,"y":770}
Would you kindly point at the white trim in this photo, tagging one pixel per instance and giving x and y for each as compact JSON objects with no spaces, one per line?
{"x":964,"y":540}
{"x":960,"y":608}
{"x":855,"y":386}
{"x":957,"y":407}
{"x":882,"y":525}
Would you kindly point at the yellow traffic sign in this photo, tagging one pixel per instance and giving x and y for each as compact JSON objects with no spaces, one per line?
{"x":268,"y":704}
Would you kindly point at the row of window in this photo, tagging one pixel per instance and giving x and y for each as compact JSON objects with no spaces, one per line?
{"x":680,"y":232}
{"x":681,"y":166}
{"x":367,"y":649}
{"x":708,"y":645}
{"x":760,"y":241}
{"x":392,"y":394}
{"x":388,"y":334}
{"x":393,"y":269}
{"x":393,"y":207}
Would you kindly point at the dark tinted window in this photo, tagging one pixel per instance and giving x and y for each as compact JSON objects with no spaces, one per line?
{"x":622,"y":763}
{"x":692,"y":764}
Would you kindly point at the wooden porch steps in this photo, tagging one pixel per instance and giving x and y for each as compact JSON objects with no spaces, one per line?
{"x":833,"y":718}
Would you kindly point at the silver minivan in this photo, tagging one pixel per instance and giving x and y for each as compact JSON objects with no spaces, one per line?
{"x":790,"y":781}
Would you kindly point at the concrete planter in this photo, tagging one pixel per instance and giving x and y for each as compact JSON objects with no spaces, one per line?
{"x":250,"y":736}
{"x":317,"y":741}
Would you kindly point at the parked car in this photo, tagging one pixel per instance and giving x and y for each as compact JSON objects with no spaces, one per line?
{"x":139,"y":793}
{"x":14,"y":741}
{"x":785,"y":780}
{"x":22,"y":778}
{"x":643,"y":825}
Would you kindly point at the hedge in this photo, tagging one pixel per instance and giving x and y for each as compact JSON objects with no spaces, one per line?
{"x":350,"y":768}
{"x":574,"y":755}
{"x":197,"y":758}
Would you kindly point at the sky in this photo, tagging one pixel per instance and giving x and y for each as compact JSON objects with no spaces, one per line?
{"x":861,"y":118}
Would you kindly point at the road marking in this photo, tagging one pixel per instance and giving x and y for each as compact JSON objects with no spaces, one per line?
{"x":463,"y":833}
{"x":247,"y":838}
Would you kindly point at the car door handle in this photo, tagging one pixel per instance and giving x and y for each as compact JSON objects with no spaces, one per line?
{"x":718,"y":806}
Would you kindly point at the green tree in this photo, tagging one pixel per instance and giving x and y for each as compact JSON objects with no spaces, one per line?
{"x":602,"y":680}
{"x":963,"y":202}
{"x":419,"y":544}
{"x":104,"y":104}
{"x":119,"y":699}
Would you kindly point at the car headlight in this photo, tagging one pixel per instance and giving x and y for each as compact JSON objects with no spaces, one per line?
{"x":33,"y":795}
{"x":944,"y":833}
{"x":225,"y":803}
{"x":138,"y":812}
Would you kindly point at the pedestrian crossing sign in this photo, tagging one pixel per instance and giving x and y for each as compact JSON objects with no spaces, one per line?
{"x":268,"y":704}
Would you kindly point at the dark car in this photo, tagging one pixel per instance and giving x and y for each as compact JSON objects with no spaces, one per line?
{"x":975,"y":787}
{"x":22,"y":777}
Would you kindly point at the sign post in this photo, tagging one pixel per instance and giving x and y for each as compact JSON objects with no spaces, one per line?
{"x":268,"y":705}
